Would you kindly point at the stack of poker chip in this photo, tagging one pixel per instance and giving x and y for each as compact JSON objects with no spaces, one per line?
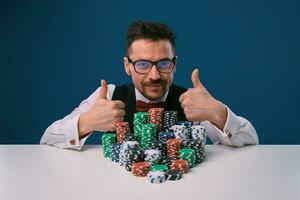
{"x":129,"y":137}
{"x":166,"y":161}
{"x":156,"y":116}
{"x":122,"y":128}
{"x":156,"y":176}
{"x":164,"y":136}
{"x":180,"y":165}
{"x":115,"y":150}
{"x":140,"y":168}
{"x":174,"y":174}
{"x":139,"y":119}
{"x":181,"y":132}
{"x":125,"y":147}
{"x":161,"y":146}
{"x":148,"y":135}
{"x":188,"y":125}
{"x":133,"y":155}
{"x":107,"y":140}
{"x":170,"y":119}
{"x":159,"y":168}
{"x":188,"y":155}
{"x":198,"y":133}
{"x":160,"y":156}
{"x":199,"y":147}
{"x":152,"y":155}
{"x":173,"y":146}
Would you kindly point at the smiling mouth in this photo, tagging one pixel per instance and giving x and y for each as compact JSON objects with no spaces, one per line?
{"x":154,"y":85}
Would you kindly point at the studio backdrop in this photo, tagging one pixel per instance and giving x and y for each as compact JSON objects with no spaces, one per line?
{"x":54,"y":54}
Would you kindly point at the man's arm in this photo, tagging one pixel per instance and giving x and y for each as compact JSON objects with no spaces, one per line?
{"x":224,"y":127}
{"x":237,"y":131}
{"x":65,"y":133}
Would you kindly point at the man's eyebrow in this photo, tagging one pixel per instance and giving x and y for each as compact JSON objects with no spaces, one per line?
{"x":165,"y":58}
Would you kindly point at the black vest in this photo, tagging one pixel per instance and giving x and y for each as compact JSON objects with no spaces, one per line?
{"x":126,"y":93}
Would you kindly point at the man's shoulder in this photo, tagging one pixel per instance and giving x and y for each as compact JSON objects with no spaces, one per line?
{"x":122,"y":91}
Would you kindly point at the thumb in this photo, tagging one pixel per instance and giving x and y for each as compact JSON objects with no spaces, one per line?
{"x":195,"y":79}
{"x":103,"y":90}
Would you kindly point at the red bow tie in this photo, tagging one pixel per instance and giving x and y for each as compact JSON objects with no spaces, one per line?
{"x":144,"y":107}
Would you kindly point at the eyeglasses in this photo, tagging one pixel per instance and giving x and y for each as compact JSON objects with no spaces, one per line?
{"x":144,"y":66}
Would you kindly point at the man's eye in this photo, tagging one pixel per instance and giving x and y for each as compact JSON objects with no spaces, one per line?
{"x":164,"y":64}
{"x":142,"y":65}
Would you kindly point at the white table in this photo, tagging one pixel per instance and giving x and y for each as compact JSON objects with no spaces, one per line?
{"x":252,"y":172}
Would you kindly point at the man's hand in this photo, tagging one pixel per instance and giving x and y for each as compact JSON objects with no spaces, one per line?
{"x":103,"y":115}
{"x":199,"y":105}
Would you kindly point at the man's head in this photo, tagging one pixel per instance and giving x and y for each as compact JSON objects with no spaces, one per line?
{"x":150,"y":44}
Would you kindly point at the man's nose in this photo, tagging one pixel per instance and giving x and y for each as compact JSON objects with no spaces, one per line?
{"x":154,"y":73}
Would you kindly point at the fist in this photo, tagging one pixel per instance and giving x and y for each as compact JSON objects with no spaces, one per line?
{"x":103,"y":115}
{"x":199,"y":105}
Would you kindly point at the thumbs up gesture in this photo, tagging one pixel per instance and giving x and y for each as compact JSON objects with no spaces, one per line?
{"x":103,"y":114}
{"x":199,"y":105}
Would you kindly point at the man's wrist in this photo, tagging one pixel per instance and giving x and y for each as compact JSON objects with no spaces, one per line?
{"x":220,"y":117}
{"x":83,"y":127}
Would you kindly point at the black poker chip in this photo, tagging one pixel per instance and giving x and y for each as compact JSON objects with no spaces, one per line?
{"x":174,"y":175}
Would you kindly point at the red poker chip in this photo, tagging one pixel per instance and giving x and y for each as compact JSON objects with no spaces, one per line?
{"x":140,"y":168}
{"x":122,"y":128}
{"x":180,"y":165}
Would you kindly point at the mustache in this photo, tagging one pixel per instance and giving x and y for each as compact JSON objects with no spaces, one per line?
{"x":151,"y":82}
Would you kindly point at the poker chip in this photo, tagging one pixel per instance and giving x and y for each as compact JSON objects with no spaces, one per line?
{"x":107,"y":140}
{"x":133,"y":155}
{"x":161,"y":146}
{"x":199,"y":147}
{"x":181,"y":132}
{"x":164,"y":136}
{"x":198,"y":133}
{"x":188,"y":155}
{"x":159,"y":168}
{"x":129,"y":137}
{"x":139,"y":119}
{"x":166,"y":161}
{"x":115,"y":150}
{"x":125,"y":150}
{"x":140,"y":168}
{"x":148,"y":135}
{"x":156,"y":176}
{"x":174,"y":174}
{"x":122,"y":128}
{"x":170,"y":119}
{"x":173,"y":146}
{"x":148,"y":151}
{"x":152,"y":155}
{"x":180,"y":165}
{"x":156,"y":117}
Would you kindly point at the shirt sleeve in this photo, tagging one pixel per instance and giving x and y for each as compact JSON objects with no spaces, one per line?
{"x":237,"y":131}
{"x":64,"y":133}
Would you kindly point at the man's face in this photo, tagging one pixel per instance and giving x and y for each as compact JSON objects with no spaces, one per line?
{"x":153,"y":84}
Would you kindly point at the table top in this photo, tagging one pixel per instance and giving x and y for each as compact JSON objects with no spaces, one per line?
{"x":251,"y":172}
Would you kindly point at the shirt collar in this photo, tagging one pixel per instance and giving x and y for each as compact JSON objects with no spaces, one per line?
{"x":141,"y":97}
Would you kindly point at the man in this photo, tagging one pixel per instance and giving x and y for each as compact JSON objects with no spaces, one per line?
{"x":151,"y":62}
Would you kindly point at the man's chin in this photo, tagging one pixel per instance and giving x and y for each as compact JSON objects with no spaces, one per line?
{"x":154,"y":96}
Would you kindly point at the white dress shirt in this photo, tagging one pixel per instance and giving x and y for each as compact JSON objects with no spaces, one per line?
{"x":64,"y":133}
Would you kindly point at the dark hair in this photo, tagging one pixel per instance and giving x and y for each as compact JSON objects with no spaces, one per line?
{"x":149,"y":30}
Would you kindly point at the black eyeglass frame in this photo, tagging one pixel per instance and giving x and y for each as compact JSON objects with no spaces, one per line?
{"x":173,"y":60}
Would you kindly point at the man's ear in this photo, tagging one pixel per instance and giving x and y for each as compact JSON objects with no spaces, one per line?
{"x":126,"y":66}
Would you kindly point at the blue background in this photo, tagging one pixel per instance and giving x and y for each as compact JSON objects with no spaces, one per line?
{"x":54,"y":53}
